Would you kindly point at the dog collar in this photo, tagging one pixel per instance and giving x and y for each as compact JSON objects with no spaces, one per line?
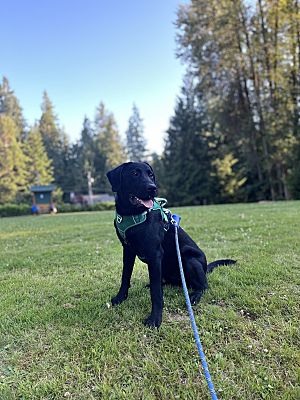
{"x":125,"y":222}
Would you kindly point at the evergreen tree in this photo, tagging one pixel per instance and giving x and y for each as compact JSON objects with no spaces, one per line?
{"x":87,"y":146}
{"x":54,"y":140}
{"x":294,"y":174}
{"x":13,"y":172}
{"x":186,"y":161}
{"x":9,"y":105}
{"x":136,"y":142}
{"x":156,"y":162}
{"x":39,"y":167}
{"x":75,"y":172}
{"x":109,"y":150}
{"x":238,"y":51}
{"x":66,"y":163}
{"x":83,"y":156}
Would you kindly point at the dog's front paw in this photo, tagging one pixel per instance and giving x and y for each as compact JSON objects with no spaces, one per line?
{"x":195,"y":297}
{"x":119,"y":298}
{"x":153,"y":321}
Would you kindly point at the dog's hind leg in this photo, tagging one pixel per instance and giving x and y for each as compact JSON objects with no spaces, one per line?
{"x":196,"y":279}
{"x":128,"y":263}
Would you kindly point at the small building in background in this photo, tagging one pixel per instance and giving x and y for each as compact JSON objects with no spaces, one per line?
{"x":42,"y":197}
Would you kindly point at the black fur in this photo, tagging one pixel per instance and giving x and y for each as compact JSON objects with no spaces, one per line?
{"x":153,"y":244}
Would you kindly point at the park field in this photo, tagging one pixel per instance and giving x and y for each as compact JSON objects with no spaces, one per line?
{"x":61,"y":339}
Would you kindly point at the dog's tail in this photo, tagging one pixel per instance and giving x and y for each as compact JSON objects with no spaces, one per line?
{"x":211,"y":266}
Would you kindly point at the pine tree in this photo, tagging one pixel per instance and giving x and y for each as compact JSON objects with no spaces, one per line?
{"x":13,"y":172}
{"x":9,"y":105}
{"x":156,"y":162}
{"x":54,"y":140}
{"x":83,"y":158}
{"x":87,"y":146}
{"x":238,"y":51}
{"x":39,"y":167}
{"x":136,"y":142}
{"x":63,"y":181}
{"x":294,"y":174}
{"x":186,"y":177}
{"x":109,"y":150}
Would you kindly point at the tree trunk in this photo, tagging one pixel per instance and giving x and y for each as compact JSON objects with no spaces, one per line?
{"x":258,"y":105}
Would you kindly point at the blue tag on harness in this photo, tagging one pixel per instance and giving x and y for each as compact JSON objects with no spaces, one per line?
{"x":176,"y":219}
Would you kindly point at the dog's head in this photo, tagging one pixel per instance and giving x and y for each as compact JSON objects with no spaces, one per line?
{"x":134,"y":183}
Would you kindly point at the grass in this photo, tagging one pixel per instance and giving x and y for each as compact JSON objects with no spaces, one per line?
{"x":59,"y":337}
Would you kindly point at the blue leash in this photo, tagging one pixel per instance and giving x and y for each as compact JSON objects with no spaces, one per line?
{"x":176,"y":221}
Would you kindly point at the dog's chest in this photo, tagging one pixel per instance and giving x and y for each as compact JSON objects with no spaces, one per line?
{"x":145,"y":239}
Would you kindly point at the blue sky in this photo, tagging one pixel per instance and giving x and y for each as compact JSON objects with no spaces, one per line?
{"x":86,"y":51}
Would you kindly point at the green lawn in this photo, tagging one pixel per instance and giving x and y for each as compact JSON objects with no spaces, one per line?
{"x":60,"y":338}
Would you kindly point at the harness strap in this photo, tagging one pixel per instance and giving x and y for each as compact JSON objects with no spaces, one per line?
{"x":123,"y":223}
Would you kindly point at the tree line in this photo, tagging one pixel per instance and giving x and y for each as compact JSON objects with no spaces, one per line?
{"x":235,"y":131}
{"x":42,"y":154}
{"x":235,"y":134}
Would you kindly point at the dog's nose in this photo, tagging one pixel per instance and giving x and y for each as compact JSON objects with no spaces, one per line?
{"x":151,"y":189}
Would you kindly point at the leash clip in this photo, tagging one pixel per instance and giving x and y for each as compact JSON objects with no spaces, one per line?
{"x":176,"y":220}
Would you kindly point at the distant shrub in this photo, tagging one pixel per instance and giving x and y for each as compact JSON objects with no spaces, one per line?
{"x":66,"y":208}
{"x":105,"y":206}
{"x":14,"y":210}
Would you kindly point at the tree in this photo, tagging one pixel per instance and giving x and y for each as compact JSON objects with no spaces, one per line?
{"x":9,"y":105}
{"x":245,"y":56}
{"x":136,"y":142}
{"x":109,"y":150}
{"x":54,"y":140}
{"x":38,"y":165}
{"x":156,"y":162}
{"x":66,"y":164}
{"x":186,"y":177}
{"x":12,"y":161}
{"x":229,"y":180}
{"x":87,"y":147}
{"x":82,"y":158}
{"x":294,"y":175}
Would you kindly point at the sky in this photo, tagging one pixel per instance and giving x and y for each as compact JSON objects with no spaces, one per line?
{"x":83,"y":52}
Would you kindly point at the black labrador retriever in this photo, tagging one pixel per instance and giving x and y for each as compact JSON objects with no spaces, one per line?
{"x":147,"y":232}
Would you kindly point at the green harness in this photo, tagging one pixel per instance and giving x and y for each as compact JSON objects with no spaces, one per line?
{"x":123,"y":223}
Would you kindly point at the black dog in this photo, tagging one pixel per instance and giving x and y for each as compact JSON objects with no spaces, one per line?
{"x":150,"y":236}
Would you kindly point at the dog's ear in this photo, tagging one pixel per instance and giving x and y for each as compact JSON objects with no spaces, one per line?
{"x":145,"y":162}
{"x":115,"y":177}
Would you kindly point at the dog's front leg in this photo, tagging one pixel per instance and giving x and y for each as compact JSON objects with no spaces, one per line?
{"x":156,"y":291}
{"x":128,"y":263}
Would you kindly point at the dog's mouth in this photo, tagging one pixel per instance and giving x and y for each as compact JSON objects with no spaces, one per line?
{"x":136,"y":201}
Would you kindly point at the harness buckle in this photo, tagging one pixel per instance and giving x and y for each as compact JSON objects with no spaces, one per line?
{"x":119,"y":218}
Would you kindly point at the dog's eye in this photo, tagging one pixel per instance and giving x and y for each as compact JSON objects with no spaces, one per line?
{"x":135,"y":172}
